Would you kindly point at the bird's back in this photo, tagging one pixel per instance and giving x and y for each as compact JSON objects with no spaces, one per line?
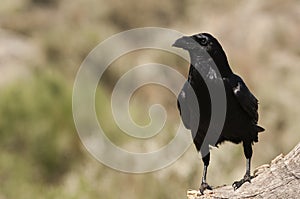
{"x":239,"y":125}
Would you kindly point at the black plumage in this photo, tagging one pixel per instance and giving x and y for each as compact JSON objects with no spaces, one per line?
{"x":241,"y":116}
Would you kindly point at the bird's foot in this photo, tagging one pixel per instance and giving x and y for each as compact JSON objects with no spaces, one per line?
{"x":238,"y":184}
{"x":203,"y":187}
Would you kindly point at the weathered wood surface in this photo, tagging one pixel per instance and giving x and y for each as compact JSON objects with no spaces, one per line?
{"x":279,"y":179}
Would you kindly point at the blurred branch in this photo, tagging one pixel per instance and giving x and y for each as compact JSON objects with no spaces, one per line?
{"x":279,"y":179}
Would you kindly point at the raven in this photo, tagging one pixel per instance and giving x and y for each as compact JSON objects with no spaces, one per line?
{"x":241,"y":116}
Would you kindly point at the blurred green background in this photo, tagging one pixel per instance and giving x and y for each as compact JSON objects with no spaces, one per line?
{"x":42,"y":44}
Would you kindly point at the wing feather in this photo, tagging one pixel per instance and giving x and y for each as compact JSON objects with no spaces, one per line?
{"x":243,"y":95}
{"x":183,"y":104}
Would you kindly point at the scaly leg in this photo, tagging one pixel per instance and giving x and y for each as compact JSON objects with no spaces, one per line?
{"x":204,"y":184}
{"x":247,"y":176}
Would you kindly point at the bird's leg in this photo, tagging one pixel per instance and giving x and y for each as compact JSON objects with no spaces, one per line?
{"x":204,"y":184}
{"x":247,"y":176}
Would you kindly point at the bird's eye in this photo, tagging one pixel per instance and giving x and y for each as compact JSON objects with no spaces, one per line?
{"x":203,"y":41}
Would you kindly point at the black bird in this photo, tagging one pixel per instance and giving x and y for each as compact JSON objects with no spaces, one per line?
{"x":241,"y":117}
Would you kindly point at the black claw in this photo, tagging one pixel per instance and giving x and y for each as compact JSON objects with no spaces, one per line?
{"x":203,"y":187}
{"x":238,"y":184}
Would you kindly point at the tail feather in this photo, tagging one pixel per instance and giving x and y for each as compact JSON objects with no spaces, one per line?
{"x":259,"y":129}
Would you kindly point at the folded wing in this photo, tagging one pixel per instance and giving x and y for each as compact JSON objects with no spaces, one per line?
{"x":243,"y":95}
{"x":183,"y":104}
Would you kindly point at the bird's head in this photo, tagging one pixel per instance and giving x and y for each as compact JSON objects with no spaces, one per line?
{"x":201,"y":41}
{"x":203,"y":46}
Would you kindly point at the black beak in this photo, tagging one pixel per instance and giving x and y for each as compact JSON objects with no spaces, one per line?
{"x":185,"y":42}
{"x":181,"y":42}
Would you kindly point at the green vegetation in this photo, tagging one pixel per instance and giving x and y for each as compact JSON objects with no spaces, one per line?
{"x":38,"y":139}
{"x":41,"y":155}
